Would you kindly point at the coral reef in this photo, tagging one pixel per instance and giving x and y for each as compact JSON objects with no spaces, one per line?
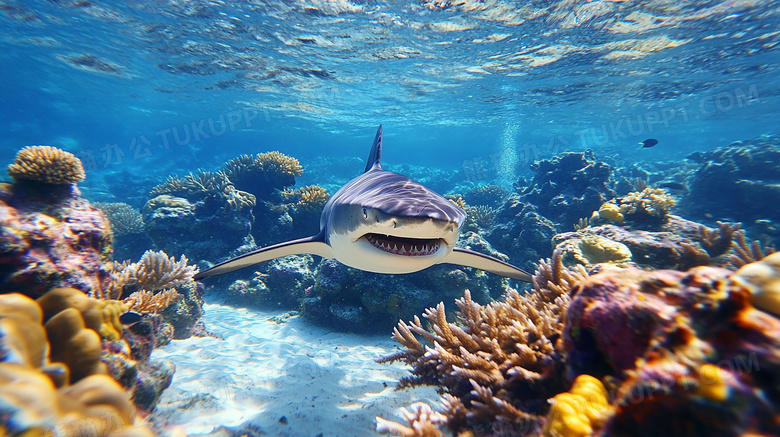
{"x":160,"y":284}
{"x":36,"y":394}
{"x":568,"y":187}
{"x":678,"y":244}
{"x":687,"y":356}
{"x":46,"y":164}
{"x":51,"y":237}
{"x":263,"y":174}
{"x":491,"y":196}
{"x":200,"y":215}
{"x":648,"y":209}
{"x":499,"y":362}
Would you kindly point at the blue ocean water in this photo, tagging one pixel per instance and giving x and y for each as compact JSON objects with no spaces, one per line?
{"x":153,"y":88}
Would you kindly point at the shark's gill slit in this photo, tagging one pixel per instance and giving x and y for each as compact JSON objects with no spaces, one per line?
{"x":404,"y":246}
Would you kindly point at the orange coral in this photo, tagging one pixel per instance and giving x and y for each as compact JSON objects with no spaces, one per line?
{"x":312,"y":197}
{"x":46,"y":164}
{"x":279,"y":163}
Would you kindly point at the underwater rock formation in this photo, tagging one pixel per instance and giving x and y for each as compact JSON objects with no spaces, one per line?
{"x":521,"y":233}
{"x":679,"y":244}
{"x":50,"y":236}
{"x":200,"y":216}
{"x":568,"y":186}
{"x":737,"y":183}
{"x":282,"y":283}
{"x":354,"y":300}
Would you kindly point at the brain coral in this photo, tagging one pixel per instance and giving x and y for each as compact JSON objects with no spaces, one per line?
{"x":46,"y":164}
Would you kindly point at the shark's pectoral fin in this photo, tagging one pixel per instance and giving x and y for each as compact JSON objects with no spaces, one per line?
{"x":469,"y":258}
{"x":309,"y":245}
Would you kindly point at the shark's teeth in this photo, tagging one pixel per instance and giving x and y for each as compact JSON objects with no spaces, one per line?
{"x":404,"y":246}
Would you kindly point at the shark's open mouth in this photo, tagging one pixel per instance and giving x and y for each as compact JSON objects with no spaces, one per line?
{"x":404,"y":246}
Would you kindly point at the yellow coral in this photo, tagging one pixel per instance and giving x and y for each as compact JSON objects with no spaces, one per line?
{"x":609,"y":211}
{"x":312,"y":197}
{"x":712,"y":383}
{"x":762,"y":278}
{"x":458,"y":201}
{"x":111,"y":328}
{"x":593,"y":249}
{"x":279,"y":162}
{"x":581,"y":410}
{"x":46,"y":164}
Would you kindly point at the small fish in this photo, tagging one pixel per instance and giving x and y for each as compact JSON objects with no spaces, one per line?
{"x":650,"y":142}
{"x":129,"y":318}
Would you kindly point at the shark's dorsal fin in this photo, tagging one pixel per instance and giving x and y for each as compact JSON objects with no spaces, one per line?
{"x":375,"y":157}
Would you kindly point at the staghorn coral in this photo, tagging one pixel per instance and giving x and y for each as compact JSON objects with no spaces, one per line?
{"x":155,"y":271}
{"x":422,"y":419}
{"x":458,"y":201}
{"x":717,"y":241}
{"x":35,"y":396}
{"x":493,"y":353}
{"x":46,"y":164}
{"x":745,"y":253}
{"x":145,"y":301}
{"x":173,"y":186}
{"x":124,"y":218}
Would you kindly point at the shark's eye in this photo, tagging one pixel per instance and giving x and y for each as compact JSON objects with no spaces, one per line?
{"x":365,"y":213}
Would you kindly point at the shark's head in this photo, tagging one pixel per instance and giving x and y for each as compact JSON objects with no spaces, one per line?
{"x":387,"y":223}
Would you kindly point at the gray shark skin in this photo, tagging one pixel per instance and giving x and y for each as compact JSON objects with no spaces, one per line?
{"x":382,"y":222}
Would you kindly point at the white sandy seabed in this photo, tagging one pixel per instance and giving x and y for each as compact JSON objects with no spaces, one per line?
{"x":288,"y":379}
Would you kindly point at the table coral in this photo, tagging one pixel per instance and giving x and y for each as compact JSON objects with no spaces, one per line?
{"x":46,"y":164}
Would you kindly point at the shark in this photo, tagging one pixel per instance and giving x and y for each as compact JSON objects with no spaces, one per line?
{"x":382,"y":222}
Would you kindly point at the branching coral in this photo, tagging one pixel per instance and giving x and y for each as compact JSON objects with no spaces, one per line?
{"x":155,"y":271}
{"x":717,"y":241}
{"x":145,"y":301}
{"x":174,"y":186}
{"x":493,"y":352}
{"x":123,"y":217}
{"x":481,"y":216}
{"x":422,"y":419}
{"x":458,"y":201}
{"x":487,"y":195}
{"x":46,"y":164}
{"x":746,"y":253}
